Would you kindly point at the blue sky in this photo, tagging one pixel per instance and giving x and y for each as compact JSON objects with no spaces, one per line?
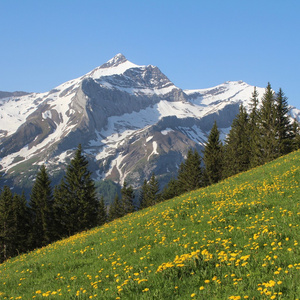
{"x":197,"y":44}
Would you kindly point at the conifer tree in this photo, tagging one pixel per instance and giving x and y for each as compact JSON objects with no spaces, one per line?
{"x":190,"y":172}
{"x":268,"y":128}
{"x":149,"y":193}
{"x":76,"y":198}
{"x":61,"y":215}
{"x":284,"y":128}
{"x":116,"y":209}
{"x":213,"y":156}
{"x":171,"y":190}
{"x":295,"y":135}
{"x":7,"y":224}
{"x":254,"y":132}
{"x":21,"y":224}
{"x":102,"y":214}
{"x":127,"y":198}
{"x":237,"y":154}
{"x":41,"y":210}
{"x":143,"y":197}
{"x":153,"y":190}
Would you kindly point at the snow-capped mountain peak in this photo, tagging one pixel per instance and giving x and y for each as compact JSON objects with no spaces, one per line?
{"x":115,"y":61}
{"x":131,"y":121}
{"x":115,"y":66}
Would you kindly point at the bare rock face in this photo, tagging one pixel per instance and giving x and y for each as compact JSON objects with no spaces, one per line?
{"x":130,"y":120}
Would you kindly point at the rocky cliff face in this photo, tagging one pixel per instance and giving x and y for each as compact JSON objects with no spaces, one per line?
{"x":131,"y":121}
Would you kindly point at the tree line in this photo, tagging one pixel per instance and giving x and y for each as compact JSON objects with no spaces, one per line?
{"x":255,"y":138}
{"x":71,"y":207}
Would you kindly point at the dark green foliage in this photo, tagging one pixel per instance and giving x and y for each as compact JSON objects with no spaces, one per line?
{"x":268,"y":127}
{"x":171,"y":190}
{"x":127,"y":198}
{"x":190,"y":172}
{"x":295,"y":136}
{"x":41,"y":210}
{"x":143,"y":197}
{"x":21,"y":224}
{"x":237,"y":154}
{"x":102,"y":214}
{"x":213,"y":156}
{"x":255,"y":152}
{"x":76,"y":205}
{"x":153,"y":191}
{"x":116,"y":209}
{"x":284,"y":128}
{"x":7,"y":224}
{"x":149,"y":194}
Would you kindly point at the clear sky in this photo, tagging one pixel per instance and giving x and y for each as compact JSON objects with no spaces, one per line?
{"x":197,"y":44}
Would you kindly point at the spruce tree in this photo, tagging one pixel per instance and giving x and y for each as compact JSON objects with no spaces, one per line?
{"x":127,"y":194}
{"x":61,"y":216}
{"x":153,"y":191}
{"x":143,"y":196}
{"x":190,"y":172}
{"x":268,"y":127}
{"x":213,"y":156}
{"x":284,"y":127}
{"x":21,"y":224}
{"x":7,"y":224}
{"x":102,"y":214}
{"x":76,"y":198}
{"x":171,"y":190}
{"x":116,"y":209}
{"x":237,"y":153}
{"x":254,"y":132}
{"x":41,"y":210}
{"x":295,"y":135}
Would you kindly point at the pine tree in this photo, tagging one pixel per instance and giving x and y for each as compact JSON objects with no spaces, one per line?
{"x":237,"y":154}
{"x":153,"y":191}
{"x":254,"y":132}
{"x":213,"y":156}
{"x":61,"y":216}
{"x":76,"y":198}
{"x":102,"y":214}
{"x":295,"y":135}
{"x":21,"y":224}
{"x":41,"y":210}
{"x":116,"y":209}
{"x":171,"y":190}
{"x":7,"y":224}
{"x":268,"y":129}
{"x":143,"y":197}
{"x":284,"y":128}
{"x":190,"y":172}
{"x":127,"y":194}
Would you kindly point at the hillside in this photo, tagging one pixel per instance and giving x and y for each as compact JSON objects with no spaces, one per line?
{"x":234,"y":240}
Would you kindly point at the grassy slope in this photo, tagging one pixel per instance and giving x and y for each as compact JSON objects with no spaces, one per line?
{"x":234,"y":240}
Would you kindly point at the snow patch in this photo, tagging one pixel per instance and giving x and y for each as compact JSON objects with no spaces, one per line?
{"x":149,"y":138}
{"x":154,"y":151}
{"x":166,"y":131}
{"x":47,"y":114}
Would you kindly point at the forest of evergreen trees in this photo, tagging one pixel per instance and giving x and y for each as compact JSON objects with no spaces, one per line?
{"x":255,"y":138}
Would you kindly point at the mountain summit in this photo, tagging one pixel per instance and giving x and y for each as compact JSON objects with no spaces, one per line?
{"x":115,"y":61}
{"x":131,"y":121}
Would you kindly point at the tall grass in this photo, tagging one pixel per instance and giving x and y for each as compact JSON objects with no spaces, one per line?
{"x":234,"y":240}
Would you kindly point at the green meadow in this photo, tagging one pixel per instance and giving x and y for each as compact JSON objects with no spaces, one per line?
{"x":238,"y":239}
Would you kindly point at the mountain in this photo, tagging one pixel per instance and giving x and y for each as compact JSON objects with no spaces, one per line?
{"x":131,"y":121}
{"x":12,"y":94}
